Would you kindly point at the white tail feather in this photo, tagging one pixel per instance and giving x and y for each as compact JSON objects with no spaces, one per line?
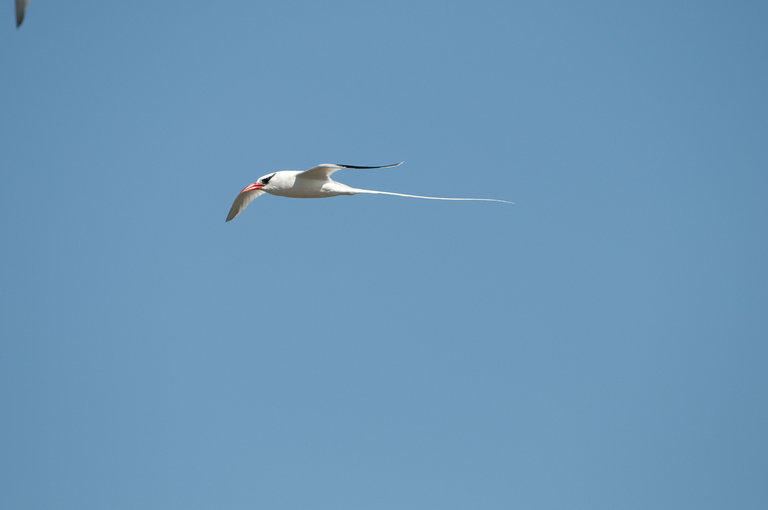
{"x":373,"y":192}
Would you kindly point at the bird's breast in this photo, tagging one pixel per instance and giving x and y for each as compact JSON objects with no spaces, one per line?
{"x":309,"y":188}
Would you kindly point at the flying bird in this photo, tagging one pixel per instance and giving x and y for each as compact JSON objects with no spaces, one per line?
{"x":314,"y":183}
{"x":21,"y":6}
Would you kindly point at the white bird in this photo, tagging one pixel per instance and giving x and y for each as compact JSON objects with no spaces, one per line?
{"x":314,"y":183}
{"x":21,"y":6}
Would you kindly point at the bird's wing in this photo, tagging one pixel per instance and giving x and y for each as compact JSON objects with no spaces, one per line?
{"x":242,"y":201}
{"x":325,"y":170}
{"x":21,"y":6}
{"x":373,"y":192}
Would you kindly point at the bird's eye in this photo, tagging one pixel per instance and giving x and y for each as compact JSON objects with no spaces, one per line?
{"x":266,"y":180}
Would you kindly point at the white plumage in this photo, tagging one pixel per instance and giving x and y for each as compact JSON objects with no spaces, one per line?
{"x":315,"y":183}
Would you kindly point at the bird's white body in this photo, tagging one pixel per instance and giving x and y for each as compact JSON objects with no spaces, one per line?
{"x":291,"y":183}
{"x":313,"y":183}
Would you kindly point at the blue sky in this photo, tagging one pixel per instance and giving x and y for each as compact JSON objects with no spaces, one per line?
{"x":600,"y":345}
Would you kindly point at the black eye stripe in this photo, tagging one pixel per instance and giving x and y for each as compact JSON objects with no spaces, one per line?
{"x":266,"y":180}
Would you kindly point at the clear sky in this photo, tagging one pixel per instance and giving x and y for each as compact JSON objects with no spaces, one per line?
{"x":599,"y":345}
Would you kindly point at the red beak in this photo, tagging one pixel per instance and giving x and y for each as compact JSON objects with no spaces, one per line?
{"x":253,"y":187}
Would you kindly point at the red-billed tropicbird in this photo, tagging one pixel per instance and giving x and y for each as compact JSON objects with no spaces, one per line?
{"x":314,"y":183}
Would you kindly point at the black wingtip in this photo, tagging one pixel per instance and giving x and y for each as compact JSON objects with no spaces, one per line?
{"x":369,"y":167}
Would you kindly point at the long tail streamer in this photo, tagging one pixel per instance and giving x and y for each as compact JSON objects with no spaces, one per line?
{"x":373,"y":192}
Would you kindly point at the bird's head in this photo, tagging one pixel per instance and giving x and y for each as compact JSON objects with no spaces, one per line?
{"x":260,"y":184}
